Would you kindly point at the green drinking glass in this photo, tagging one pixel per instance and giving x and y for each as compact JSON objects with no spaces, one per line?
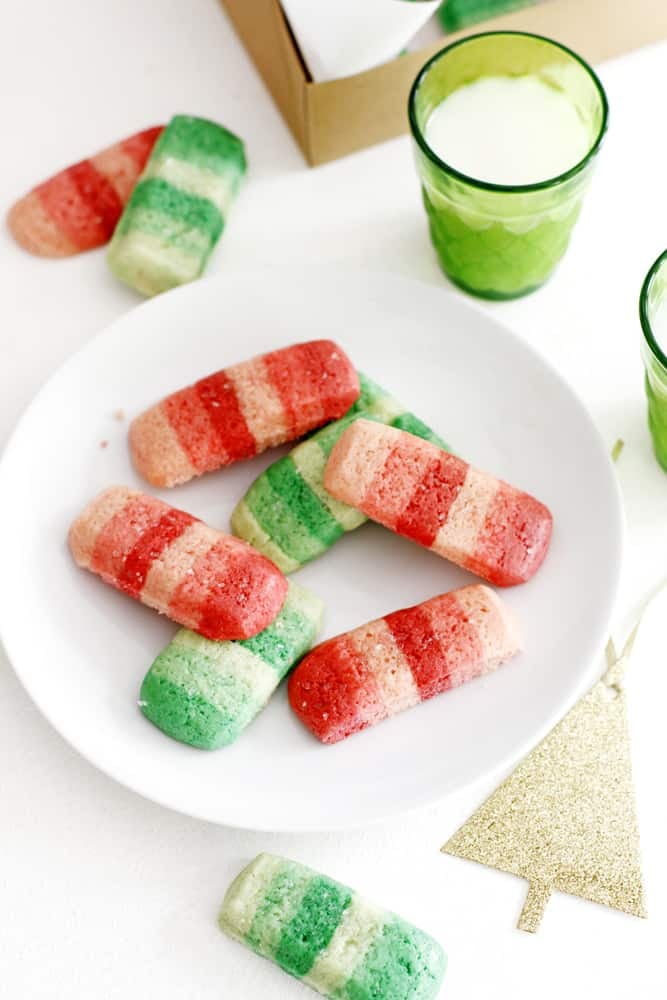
{"x":457,"y":14}
{"x":653,"y":296}
{"x":494,"y":240}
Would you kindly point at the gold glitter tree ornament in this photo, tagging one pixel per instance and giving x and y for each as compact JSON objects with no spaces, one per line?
{"x":565,"y":818}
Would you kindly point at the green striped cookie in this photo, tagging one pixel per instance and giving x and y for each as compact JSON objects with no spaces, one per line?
{"x":177,"y":210}
{"x":329,"y":937}
{"x":205,"y":693}
{"x":287,"y":514}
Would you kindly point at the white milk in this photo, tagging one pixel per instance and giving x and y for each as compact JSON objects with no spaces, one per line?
{"x":508,"y":130}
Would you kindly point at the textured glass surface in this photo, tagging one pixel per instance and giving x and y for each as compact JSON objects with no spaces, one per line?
{"x":653,"y":295}
{"x":496,"y":241}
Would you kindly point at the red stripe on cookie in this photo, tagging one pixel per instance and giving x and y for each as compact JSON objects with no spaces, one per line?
{"x":436,"y":638}
{"x":432,"y":499}
{"x":82,"y":203}
{"x":334,"y":692}
{"x":197,"y":436}
{"x":396,"y":481}
{"x":514,"y":540}
{"x":231,"y":592}
{"x":218,"y":397}
{"x":315,"y":381}
{"x":120,"y":535}
{"x":339,"y":387}
{"x":150,"y":547}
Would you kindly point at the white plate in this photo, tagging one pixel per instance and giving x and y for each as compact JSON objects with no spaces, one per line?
{"x":81,"y":649}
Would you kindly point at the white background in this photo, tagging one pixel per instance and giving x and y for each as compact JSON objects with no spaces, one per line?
{"x":105,"y":895}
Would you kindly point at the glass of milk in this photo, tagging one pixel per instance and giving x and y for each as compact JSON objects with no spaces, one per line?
{"x":653,"y":317}
{"x":506,"y":128}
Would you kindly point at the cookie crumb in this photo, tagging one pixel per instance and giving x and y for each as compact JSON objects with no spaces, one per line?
{"x":119,"y":414}
{"x":104,"y":444}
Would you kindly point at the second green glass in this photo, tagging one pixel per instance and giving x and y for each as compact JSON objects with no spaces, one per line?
{"x":499,"y":241}
{"x":652,"y":311}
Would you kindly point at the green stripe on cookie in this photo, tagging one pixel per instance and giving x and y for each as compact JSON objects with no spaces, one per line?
{"x":401,"y":962}
{"x":287,"y":483}
{"x":291,"y":634}
{"x":311,"y":928}
{"x":413,"y":425}
{"x":175,"y":213}
{"x":188,"y":716}
{"x":202,"y":142}
{"x":329,"y":435}
{"x":283,"y":522}
{"x":281,"y":902}
{"x":245,"y":525}
{"x":286,"y":640}
{"x":310,"y":461}
{"x":369,"y":393}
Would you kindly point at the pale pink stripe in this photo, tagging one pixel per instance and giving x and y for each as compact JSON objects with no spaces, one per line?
{"x":119,"y":169}
{"x":86,"y":530}
{"x":460,"y":646}
{"x":395,"y":483}
{"x":260,"y":403}
{"x":457,"y":538}
{"x":177,"y":563}
{"x":156,"y":450}
{"x":356,"y":460}
{"x":382,"y":656}
{"x":494,"y":623}
{"x":34,"y":229}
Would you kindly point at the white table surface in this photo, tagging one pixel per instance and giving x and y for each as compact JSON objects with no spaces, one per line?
{"x":105,"y":895}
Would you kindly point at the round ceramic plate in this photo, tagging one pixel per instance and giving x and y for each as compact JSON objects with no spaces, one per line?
{"x":81,"y":649}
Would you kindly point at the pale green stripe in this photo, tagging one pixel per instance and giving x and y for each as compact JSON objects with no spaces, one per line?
{"x":385,"y":409}
{"x":305,"y":603}
{"x":360,"y":925}
{"x":219,"y":662}
{"x":221,"y":189}
{"x":246,"y":526}
{"x":148,"y":264}
{"x":246,"y":893}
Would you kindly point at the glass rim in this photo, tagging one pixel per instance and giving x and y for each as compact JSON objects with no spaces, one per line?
{"x":644,"y":319}
{"x":488,"y":185}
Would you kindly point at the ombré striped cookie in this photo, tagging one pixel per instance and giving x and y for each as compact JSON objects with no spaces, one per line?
{"x":357,"y":679}
{"x":287,"y":514}
{"x":205,"y":693}
{"x":79,"y":208}
{"x":242,"y":410}
{"x":328,"y":936}
{"x":173,"y":562}
{"x":434,"y":498}
{"x":178,"y":208}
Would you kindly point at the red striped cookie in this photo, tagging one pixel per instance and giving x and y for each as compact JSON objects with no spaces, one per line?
{"x":78,"y":208}
{"x":199,"y":577}
{"x":431,"y":496}
{"x":242,"y":410}
{"x":361,"y":677}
